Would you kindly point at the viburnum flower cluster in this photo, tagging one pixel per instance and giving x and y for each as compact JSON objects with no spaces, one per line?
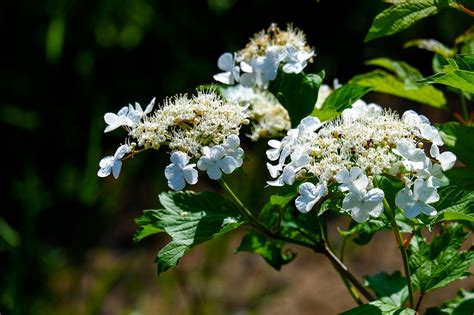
{"x":269,"y":118}
{"x":257,"y":64}
{"x":350,"y":151}
{"x":201,"y":131}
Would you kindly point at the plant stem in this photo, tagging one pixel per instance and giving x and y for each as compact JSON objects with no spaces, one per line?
{"x":462,"y":8}
{"x":465,"y":111}
{"x":399,"y":239}
{"x":354,"y":293}
{"x":419,"y":301}
{"x":319,"y":248}
{"x":345,"y":273}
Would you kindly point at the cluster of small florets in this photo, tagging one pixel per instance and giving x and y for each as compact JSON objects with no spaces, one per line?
{"x":202,"y":129}
{"x":269,"y":118}
{"x":260,"y":59}
{"x":351,"y":150}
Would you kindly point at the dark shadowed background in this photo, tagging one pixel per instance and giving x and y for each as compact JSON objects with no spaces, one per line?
{"x":66,"y":235}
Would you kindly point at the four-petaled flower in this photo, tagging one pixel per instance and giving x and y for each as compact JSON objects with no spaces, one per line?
{"x":363,"y":205}
{"x":179,"y":172}
{"x":215,"y":161}
{"x":353,"y":180}
{"x":446,"y":159}
{"x":414,"y":158}
{"x":415,"y":202}
{"x":113,"y":164}
{"x":231,"y":74}
{"x":295,"y":60}
{"x":309,"y":196}
{"x":114,"y":121}
{"x":233,"y":149}
{"x":137,"y":113}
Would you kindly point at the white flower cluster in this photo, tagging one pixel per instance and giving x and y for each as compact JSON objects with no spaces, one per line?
{"x":260,"y":59}
{"x":269,"y":118}
{"x":349,"y":151}
{"x":203,"y":128}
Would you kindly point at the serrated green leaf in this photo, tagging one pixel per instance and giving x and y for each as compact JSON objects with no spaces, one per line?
{"x":379,"y":308}
{"x":342,"y":98}
{"x":298,"y":93}
{"x":437,"y":264}
{"x":458,"y":74}
{"x":270,"y":250}
{"x":190,"y":219}
{"x":462,"y":304}
{"x":402,"y":15}
{"x":390,"y":289}
{"x":455,"y":204}
{"x":384,"y":82}
{"x":431,"y":45}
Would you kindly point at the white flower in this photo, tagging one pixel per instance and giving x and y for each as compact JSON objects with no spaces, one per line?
{"x":226,"y":63}
{"x":309,"y":196}
{"x":233,"y":149}
{"x":295,"y":59}
{"x":179,"y":172}
{"x":416,"y":201}
{"x":430,"y":133}
{"x":214,"y":161}
{"x":261,"y":70}
{"x":433,"y":174}
{"x":360,"y":109}
{"x":298,"y":160}
{"x":412,"y":118}
{"x":446,"y":159}
{"x":414,"y":158}
{"x":288,"y":177}
{"x":113,"y":164}
{"x":353,"y":180}
{"x":117,"y":120}
{"x":363,"y":205}
{"x":137,"y":113}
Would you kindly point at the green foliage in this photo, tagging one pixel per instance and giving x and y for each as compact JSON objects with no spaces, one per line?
{"x":462,"y":304}
{"x":363,"y":232}
{"x":379,"y":308}
{"x":431,"y":45}
{"x":403,"y":14}
{"x":458,"y":73}
{"x":455,"y":204}
{"x":270,"y":250}
{"x":342,"y":98}
{"x":390,"y":289}
{"x":190,"y":219}
{"x":9,"y":238}
{"x":297,"y":92}
{"x":385,"y":82}
{"x":437,"y":264}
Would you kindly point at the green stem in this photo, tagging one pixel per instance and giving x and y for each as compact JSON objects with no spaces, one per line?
{"x":353,"y":293}
{"x":398,"y":238}
{"x":462,"y":8}
{"x":319,"y":248}
{"x":419,"y":301}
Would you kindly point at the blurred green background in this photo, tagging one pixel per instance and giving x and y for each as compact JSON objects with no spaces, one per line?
{"x":65,"y":234}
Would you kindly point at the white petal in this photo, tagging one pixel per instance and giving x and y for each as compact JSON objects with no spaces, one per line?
{"x":224,"y":77}
{"x":214,"y":172}
{"x":172,"y":170}
{"x":176,"y":183}
{"x":351,"y":200}
{"x":121,"y":151}
{"x":123,"y":111}
{"x":227,"y":164}
{"x":106,"y":161}
{"x":427,"y":209}
{"x":190,"y":175}
{"x":292,"y":68}
{"x":289,"y":175}
{"x":404,"y":198}
{"x":447,"y":160}
{"x":434,"y":151}
{"x":150,"y":106}
{"x":104,"y":172}
{"x":359,"y":215}
{"x":247,"y":79}
{"x":233,"y":141}
{"x":204,"y":163}
{"x":226,"y":62}
{"x":274,"y":170}
{"x":304,"y":203}
{"x":342,"y":176}
{"x":180,"y":159}
{"x":308,"y":189}
{"x":116,"y":168}
{"x":217,"y":152}
{"x":246,"y":67}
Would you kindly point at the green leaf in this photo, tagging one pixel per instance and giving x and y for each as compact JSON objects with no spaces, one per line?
{"x":270,"y":250}
{"x":458,"y":139}
{"x":402,"y":15}
{"x":363,"y":232}
{"x":437,"y":264}
{"x":342,"y":98}
{"x":431,"y":45}
{"x":384,"y":82}
{"x":379,"y":308}
{"x":298,"y":93}
{"x":403,"y":71}
{"x":455,"y":204}
{"x":390,"y":289}
{"x":462,"y":304}
{"x":458,"y":74}
{"x":9,"y":238}
{"x":190,"y":219}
